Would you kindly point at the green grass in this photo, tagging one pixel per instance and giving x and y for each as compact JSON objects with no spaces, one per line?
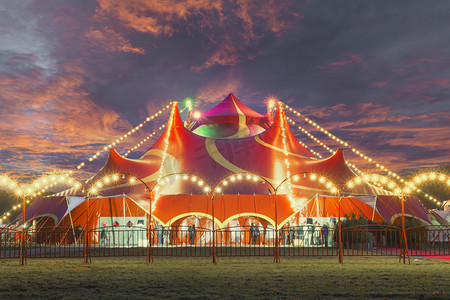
{"x":191,"y":278}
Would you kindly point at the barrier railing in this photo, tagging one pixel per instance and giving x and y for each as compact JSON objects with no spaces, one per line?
{"x":42,"y":243}
{"x":429,"y":240}
{"x":182,"y":241}
{"x":372,"y":240}
{"x":308,"y":240}
{"x":245,"y":241}
{"x":117,"y":241}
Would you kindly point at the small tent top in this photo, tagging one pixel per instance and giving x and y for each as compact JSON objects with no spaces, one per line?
{"x":231,"y":110}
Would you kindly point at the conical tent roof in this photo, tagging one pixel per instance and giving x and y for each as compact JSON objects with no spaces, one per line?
{"x":228,"y":108}
{"x":179,"y":150}
{"x":231,"y":114}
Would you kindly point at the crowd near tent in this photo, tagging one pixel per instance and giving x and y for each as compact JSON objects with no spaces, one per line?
{"x":230,"y":138}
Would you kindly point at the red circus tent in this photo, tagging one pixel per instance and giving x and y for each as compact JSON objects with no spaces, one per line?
{"x":212,"y":157}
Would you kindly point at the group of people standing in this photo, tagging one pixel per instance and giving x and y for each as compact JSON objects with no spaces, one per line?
{"x":306,"y":235}
{"x":164,"y":235}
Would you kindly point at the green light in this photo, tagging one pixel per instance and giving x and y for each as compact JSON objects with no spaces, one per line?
{"x":188,"y":103}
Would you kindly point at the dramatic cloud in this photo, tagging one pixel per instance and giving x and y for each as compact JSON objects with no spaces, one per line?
{"x":111,"y":41}
{"x":76,"y":75}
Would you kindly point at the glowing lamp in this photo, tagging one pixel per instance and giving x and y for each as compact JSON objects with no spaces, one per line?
{"x":197,"y":115}
{"x":188,"y":103}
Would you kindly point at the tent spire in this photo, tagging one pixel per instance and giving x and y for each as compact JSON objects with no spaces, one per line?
{"x":280,"y":117}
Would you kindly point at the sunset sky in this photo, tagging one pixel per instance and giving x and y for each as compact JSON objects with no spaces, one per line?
{"x":76,"y":75}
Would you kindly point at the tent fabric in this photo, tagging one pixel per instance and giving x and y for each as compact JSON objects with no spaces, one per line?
{"x":232,"y":110}
{"x":179,"y":150}
{"x":169,"y":208}
{"x":390,"y":208}
{"x":53,"y":207}
{"x":321,"y":206}
{"x":214,"y":159}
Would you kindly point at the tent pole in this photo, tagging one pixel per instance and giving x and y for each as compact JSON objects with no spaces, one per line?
{"x":340,"y":253}
{"x":213,"y":232}
{"x":277,"y":254}
{"x":404,"y":251}
{"x":71,"y":221}
{"x":87,"y":257}
{"x":23,"y":249}
{"x":149,"y":258}
{"x":374,"y":208}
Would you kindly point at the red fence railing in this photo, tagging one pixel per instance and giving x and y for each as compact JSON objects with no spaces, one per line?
{"x":376,"y":240}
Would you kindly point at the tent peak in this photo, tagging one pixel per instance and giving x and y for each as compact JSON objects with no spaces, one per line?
{"x":174,"y":117}
{"x":280,"y":117}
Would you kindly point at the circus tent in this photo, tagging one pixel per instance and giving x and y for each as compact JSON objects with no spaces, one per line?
{"x":255,"y":145}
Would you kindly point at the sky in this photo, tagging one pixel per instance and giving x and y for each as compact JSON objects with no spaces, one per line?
{"x":76,"y":75}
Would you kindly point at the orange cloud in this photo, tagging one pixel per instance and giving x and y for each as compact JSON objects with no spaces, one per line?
{"x":231,"y":27}
{"x":155,"y":17}
{"x":111,"y":41}
{"x":53,"y":121}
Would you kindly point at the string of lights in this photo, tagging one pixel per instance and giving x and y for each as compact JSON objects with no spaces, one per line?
{"x":166,"y":146}
{"x":318,"y":141}
{"x":144,"y":140}
{"x":125,"y":136}
{"x":357,"y":152}
{"x":36,"y":188}
{"x":286,"y":152}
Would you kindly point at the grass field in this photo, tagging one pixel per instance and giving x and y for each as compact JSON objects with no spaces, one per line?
{"x":193,"y":278}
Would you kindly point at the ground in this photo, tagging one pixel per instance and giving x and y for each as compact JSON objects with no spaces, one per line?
{"x":192,"y":278}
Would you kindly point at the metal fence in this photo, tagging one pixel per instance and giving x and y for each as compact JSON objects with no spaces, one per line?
{"x":376,"y":240}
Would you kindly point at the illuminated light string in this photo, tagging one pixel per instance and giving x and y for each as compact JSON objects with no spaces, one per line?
{"x":13,"y":186}
{"x":315,"y":153}
{"x":36,"y":188}
{"x":329,"y":185}
{"x":166,"y":146}
{"x":357,"y":152}
{"x":409,"y":186}
{"x":123,"y":137}
{"x":116,"y":142}
{"x":318,"y":141}
{"x":377,"y":179}
{"x":144,"y":140}
{"x":47,"y":185}
{"x":421,"y":178}
{"x":195,"y":180}
{"x":286,"y":155}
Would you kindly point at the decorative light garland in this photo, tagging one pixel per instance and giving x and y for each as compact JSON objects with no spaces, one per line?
{"x":37,"y":187}
{"x":123,"y":137}
{"x":116,"y":142}
{"x":318,"y":141}
{"x":331,"y":186}
{"x":429,"y":176}
{"x":357,"y":152}
{"x":166,"y":146}
{"x":144,"y":140}
{"x":377,"y":179}
{"x":201,"y":183}
{"x":286,"y":153}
